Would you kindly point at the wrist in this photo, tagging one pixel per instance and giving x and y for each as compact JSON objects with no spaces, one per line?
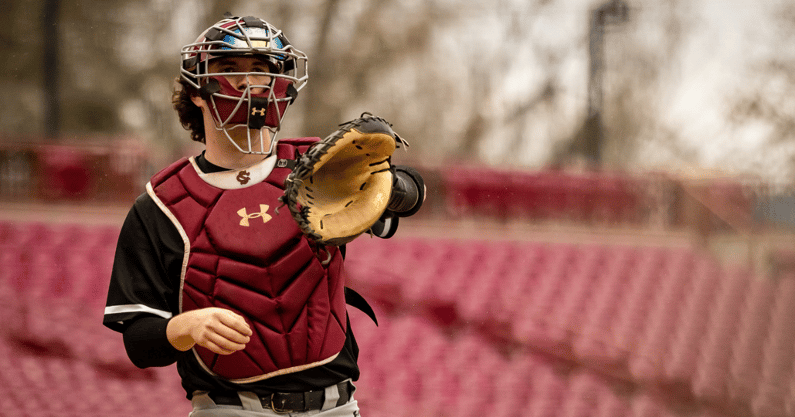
{"x":178,"y":333}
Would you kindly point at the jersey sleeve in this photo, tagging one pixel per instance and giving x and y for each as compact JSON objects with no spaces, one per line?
{"x":146,"y":269}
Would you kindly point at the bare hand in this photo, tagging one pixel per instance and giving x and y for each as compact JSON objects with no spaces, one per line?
{"x":219,"y":330}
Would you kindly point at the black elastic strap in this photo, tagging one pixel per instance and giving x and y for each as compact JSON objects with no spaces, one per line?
{"x":354,"y":299}
{"x":289,"y":65}
{"x":291,"y":91}
{"x":214,"y":34}
{"x":253,"y":22}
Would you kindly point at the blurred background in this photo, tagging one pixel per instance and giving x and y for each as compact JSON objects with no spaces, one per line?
{"x":610,"y":216}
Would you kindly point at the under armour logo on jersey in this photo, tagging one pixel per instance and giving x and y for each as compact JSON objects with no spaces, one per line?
{"x":263,"y":214}
{"x":260,"y":110}
{"x":243,"y":177}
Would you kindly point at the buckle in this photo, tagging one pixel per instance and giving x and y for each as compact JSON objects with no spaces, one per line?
{"x":279,"y":409}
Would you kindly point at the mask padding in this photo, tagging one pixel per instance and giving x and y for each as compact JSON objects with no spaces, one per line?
{"x":259,"y":112}
{"x":209,"y":89}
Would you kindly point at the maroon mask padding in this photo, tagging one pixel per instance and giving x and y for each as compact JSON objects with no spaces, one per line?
{"x":260,"y":115}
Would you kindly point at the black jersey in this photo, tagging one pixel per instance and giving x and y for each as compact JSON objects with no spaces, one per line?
{"x":144,"y":294}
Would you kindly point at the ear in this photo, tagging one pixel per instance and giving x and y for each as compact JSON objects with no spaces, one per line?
{"x":198,"y":101}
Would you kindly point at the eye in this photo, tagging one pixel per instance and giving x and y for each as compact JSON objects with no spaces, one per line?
{"x":266,"y":66}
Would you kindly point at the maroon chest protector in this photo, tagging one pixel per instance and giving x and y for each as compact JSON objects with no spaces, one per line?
{"x":243,"y":256}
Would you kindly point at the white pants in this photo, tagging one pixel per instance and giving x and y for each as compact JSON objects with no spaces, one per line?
{"x":204,"y":406}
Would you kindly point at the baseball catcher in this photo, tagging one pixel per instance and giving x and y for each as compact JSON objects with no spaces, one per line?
{"x":251,"y":302}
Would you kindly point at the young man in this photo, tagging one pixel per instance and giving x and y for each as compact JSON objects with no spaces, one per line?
{"x":209,"y":275}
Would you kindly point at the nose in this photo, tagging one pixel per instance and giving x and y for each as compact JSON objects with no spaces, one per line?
{"x":241,"y":82}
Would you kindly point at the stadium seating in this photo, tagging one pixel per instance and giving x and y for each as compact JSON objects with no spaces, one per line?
{"x":544,"y":195}
{"x":466,"y":328}
{"x":670,"y":322}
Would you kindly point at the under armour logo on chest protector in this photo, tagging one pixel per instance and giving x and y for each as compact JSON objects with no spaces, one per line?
{"x":245,"y":216}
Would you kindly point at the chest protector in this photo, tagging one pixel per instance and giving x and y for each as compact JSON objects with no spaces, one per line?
{"x":241,"y":255}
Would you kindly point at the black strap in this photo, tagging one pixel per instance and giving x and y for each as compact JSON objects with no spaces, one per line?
{"x":253,"y":22}
{"x":291,"y":91}
{"x":214,"y":34}
{"x":286,"y":163}
{"x":354,"y":299}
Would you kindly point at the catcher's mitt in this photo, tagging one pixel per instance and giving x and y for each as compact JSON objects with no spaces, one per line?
{"x":342,"y":184}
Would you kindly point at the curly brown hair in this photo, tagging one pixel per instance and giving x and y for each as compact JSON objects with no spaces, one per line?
{"x":190,"y":115}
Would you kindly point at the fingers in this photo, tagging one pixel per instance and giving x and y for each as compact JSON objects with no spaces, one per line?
{"x":222,"y":341}
{"x":236,"y":322}
{"x":221,"y":345}
{"x":231,"y":334}
{"x":222,"y":331}
{"x":212,"y":347}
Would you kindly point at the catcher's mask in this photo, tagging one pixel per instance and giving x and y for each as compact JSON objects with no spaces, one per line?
{"x":257,"y":106}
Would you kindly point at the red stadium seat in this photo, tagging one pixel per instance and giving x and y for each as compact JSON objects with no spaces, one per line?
{"x":746,"y":363}
{"x":709,"y":370}
{"x":503,"y":328}
{"x":778,"y":352}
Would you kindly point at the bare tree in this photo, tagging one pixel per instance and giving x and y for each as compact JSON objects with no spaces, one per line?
{"x":343,"y":72}
{"x":21,"y":45}
{"x":768,"y":98}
